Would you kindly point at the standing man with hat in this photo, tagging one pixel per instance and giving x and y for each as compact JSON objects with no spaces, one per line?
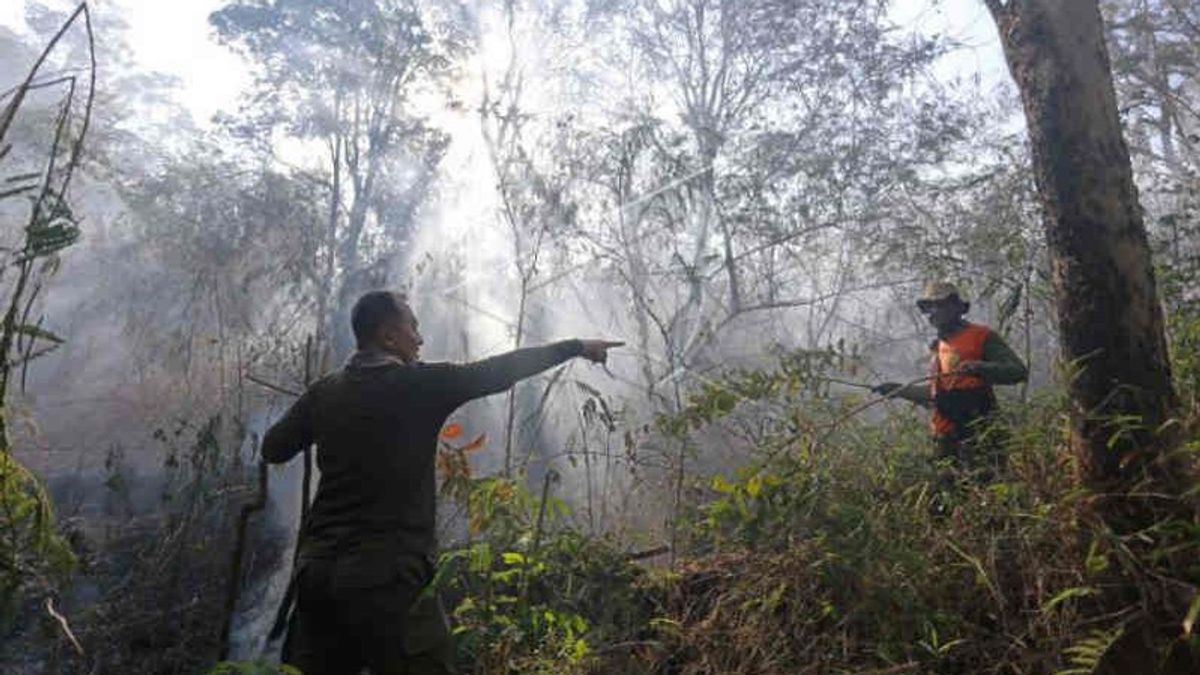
{"x":966,"y":361}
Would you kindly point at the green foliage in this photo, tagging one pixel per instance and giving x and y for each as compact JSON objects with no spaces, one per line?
{"x":33,"y":557}
{"x":838,"y":545}
{"x":1183,"y":328}
{"x":746,"y":506}
{"x":1085,"y":655}
{"x":800,"y":375}
{"x":843,"y":547}
{"x":32,"y":554}
{"x":50,"y":233}
{"x":531,"y":594}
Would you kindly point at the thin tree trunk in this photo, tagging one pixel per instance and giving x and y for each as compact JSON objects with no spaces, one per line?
{"x":1110,"y":320}
{"x":324,"y":321}
{"x":511,"y":408}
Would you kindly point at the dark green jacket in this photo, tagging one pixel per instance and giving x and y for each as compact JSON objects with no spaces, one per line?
{"x":375,"y":424}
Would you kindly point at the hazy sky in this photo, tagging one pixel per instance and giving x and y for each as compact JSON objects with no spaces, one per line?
{"x":171,"y":36}
{"x":174,"y":37}
{"x":967,"y":22}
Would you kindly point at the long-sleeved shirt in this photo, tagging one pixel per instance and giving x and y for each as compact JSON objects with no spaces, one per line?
{"x":375,"y":424}
{"x":999,"y":365}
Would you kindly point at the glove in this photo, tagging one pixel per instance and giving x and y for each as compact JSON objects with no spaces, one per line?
{"x":886,"y":388}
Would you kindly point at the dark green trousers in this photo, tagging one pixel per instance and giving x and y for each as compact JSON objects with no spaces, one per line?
{"x":357,"y":612}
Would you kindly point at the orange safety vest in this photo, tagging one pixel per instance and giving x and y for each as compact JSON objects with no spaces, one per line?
{"x":964,"y":345}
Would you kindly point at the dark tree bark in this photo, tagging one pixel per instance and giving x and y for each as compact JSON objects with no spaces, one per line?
{"x":1109,"y":316}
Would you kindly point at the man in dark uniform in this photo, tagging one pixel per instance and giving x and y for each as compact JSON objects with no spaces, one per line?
{"x":367,"y":546}
{"x":966,"y":360}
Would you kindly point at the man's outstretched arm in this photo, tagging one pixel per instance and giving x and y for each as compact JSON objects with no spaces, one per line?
{"x":914,"y":393}
{"x":289,"y":435}
{"x":461,"y":383}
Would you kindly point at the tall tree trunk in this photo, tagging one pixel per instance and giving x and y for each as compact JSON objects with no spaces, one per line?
{"x":1110,"y":320}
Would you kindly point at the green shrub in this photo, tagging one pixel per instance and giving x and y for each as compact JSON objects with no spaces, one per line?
{"x":32,"y":554}
{"x":528,"y":592}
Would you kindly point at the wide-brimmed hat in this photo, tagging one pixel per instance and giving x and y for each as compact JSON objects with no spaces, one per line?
{"x":937,"y":291}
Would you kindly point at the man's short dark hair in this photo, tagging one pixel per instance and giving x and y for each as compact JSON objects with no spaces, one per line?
{"x":373,"y":311}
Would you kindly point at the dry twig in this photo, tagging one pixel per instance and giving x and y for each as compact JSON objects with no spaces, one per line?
{"x":270,"y":385}
{"x":66,"y":627}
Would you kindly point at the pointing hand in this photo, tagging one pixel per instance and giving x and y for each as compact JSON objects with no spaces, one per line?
{"x":596,"y":351}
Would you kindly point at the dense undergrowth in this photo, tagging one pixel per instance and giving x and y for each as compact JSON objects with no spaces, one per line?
{"x":865,"y":556}
{"x":836,"y":545}
{"x":839,"y":546}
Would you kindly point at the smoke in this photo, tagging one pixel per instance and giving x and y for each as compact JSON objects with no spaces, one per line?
{"x":258,"y":605}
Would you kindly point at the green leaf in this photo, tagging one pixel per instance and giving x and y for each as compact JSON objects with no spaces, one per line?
{"x":50,"y":233}
{"x":1067,"y":594}
{"x":1097,"y":560}
{"x":754,"y":486}
{"x":722,"y":486}
{"x":945,"y":649}
{"x":1087,"y":653}
{"x":579,"y":650}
